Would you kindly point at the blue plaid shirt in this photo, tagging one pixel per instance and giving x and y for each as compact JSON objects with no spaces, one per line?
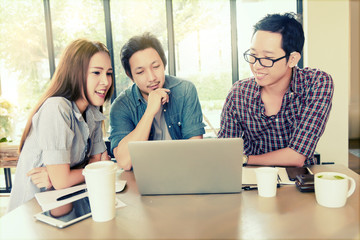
{"x":298,"y":125}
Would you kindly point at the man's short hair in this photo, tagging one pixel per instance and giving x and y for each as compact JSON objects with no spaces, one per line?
{"x":288,"y":26}
{"x":138,"y":43}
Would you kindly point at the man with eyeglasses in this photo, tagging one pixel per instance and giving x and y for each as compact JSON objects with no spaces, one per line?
{"x":281,"y":112}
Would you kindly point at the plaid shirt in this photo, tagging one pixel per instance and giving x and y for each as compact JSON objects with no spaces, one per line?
{"x":299,"y":123}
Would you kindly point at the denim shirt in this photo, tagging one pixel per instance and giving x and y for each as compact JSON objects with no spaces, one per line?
{"x":182,"y":113}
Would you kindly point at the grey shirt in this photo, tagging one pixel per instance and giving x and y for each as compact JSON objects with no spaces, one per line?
{"x":59,"y":135}
{"x":161,"y":131}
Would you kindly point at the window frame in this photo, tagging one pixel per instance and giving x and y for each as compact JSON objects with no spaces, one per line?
{"x":171,"y":40}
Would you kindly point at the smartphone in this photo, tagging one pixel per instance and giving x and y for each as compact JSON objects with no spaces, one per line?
{"x":67,"y":214}
{"x":295,"y":171}
{"x":305,"y":183}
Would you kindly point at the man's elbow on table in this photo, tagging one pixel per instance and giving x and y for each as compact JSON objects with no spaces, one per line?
{"x":298,"y":162}
{"x":123,"y":162}
{"x":124,"y":165}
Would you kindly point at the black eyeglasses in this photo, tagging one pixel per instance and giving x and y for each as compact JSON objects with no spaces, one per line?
{"x":265,"y":62}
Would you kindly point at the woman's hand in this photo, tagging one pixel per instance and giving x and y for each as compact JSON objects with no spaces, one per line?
{"x":105,"y":156}
{"x":40,"y":177}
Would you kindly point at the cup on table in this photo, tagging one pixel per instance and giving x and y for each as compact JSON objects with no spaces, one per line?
{"x":100,"y":182}
{"x":266,"y":178}
{"x":332,"y":189}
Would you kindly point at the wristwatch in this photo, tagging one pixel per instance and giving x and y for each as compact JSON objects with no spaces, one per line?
{"x":245,"y":160}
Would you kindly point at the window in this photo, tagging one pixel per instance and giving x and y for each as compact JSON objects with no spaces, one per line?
{"x":23,"y":61}
{"x":248,"y":13}
{"x":202,"y":45}
{"x":203,"y":53}
{"x":76,"y":19}
{"x":87,"y":21}
{"x":130,"y":18}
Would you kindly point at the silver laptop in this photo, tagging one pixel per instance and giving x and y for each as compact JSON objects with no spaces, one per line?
{"x":188,"y":166}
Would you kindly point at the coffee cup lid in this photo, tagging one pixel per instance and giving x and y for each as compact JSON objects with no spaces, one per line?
{"x":100,"y":166}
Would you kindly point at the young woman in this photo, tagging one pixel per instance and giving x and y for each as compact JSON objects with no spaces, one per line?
{"x":63,"y":132}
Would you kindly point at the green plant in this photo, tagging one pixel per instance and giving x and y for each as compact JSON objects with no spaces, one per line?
{"x":6,"y":119}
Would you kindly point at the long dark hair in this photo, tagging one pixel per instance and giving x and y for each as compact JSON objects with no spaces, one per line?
{"x":69,"y":80}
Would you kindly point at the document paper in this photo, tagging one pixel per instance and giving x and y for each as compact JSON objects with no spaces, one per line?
{"x":249,"y":176}
{"x":47,"y":200}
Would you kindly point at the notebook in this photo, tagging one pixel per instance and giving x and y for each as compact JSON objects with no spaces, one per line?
{"x":188,"y":166}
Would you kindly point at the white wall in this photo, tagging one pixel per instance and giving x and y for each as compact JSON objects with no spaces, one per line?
{"x":327,"y":38}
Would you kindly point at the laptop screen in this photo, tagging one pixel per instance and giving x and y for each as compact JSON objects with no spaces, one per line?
{"x":188,"y":166}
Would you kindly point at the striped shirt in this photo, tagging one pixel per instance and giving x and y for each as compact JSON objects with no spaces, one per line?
{"x":58,"y":135}
{"x":298,"y":125}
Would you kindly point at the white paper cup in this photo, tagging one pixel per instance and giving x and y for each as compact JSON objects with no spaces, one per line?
{"x":332,"y":189}
{"x":266,"y":178}
{"x":100,"y":182}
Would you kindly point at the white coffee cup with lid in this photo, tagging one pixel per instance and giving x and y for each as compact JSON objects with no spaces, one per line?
{"x":100,"y":182}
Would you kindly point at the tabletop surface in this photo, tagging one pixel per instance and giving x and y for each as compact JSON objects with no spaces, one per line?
{"x":289,"y":215}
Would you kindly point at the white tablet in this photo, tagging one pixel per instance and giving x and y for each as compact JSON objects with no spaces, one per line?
{"x":67,"y":214}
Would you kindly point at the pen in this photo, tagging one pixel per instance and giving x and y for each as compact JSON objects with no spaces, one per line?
{"x":310,"y":171}
{"x":249,"y":188}
{"x":71,"y":194}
